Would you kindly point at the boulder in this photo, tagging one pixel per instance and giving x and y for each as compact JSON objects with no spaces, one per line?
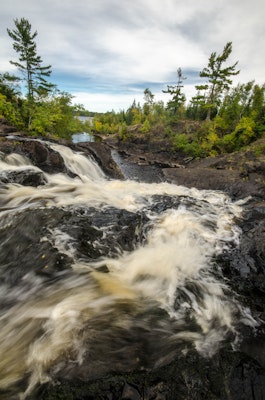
{"x":27,"y":177}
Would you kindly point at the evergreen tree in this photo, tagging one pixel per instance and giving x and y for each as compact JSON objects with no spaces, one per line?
{"x":149,"y":101}
{"x":30,"y":63}
{"x":148,"y":96}
{"x":236,"y":104}
{"x":258,"y":103}
{"x":196,"y":107}
{"x":178,"y":97}
{"x":219,"y":78}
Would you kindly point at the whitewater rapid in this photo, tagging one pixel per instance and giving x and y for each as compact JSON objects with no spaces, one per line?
{"x":166,"y":289}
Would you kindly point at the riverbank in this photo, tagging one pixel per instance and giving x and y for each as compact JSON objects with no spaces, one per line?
{"x":240,"y":174}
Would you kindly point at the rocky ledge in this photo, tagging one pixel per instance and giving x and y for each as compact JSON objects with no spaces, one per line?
{"x":239,"y":174}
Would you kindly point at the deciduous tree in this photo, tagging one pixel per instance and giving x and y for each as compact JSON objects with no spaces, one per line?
{"x":9,"y":86}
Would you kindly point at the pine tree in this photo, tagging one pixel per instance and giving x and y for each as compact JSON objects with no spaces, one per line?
{"x":148,"y":96}
{"x":149,"y":101}
{"x":30,"y":64}
{"x":178,"y":97}
{"x":219,"y":78}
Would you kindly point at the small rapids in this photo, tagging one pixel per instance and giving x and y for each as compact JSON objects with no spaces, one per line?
{"x":101,"y":275}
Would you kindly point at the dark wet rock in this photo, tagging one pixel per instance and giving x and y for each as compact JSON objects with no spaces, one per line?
{"x":24,"y":248}
{"x":26,"y":177}
{"x":86,"y":225}
{"x":6,"y":128}
{"x":244,"y":265}
{"x":102,"y":154}
{"x":40,"y":154}
{"x":239,"y":174}
{"x":225,"y":377}
{"x":44,"y":157}
{"x":130,"y":393}
{"x":230,"y":182}
{"x":139,"y":171}
{"x":36,"y":251}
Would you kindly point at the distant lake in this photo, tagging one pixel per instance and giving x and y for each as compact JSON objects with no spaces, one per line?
{"x":82,"y":137}
{"x":84,"y":118}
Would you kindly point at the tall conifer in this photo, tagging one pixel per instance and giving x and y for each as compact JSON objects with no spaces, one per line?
{"x":219,"y":78}
{"x":30,"y":63}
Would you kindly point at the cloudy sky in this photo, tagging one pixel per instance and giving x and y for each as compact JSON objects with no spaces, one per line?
{"x":106,"y":52}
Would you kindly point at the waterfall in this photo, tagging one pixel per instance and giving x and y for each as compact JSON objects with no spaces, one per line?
{"x":96,"y":271}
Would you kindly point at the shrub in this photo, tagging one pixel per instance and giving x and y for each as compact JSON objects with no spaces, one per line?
{"x":146,"y":126}
{"x":9,"y":111}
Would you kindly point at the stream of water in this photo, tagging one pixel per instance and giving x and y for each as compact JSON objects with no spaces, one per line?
{"x":132,"y":306}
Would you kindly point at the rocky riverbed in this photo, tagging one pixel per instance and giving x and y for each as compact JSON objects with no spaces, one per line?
{"x":231,"y":374}
{"x":239,"y":174}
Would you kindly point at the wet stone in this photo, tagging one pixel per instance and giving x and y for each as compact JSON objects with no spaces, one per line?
{"x":26,"y":178}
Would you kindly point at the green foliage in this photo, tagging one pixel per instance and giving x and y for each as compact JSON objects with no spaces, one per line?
{"x":196,"y":109}
{"x":168,"y":133}
{"x":182,"y":143}
{"x":259,"y":149}
{"x":207,"y":138}
{"x":53,"y":116}
{"x":10,"y":111}
{"x":123,"y":131}
{"x":238,"y":121}
{"x":244,"y":131}
{"x":9,"y":86}
{"x":107,"y":123}
{"x":146,"y":126}
{"x":242,"y":135}
{"x":236,"y":104}
{"x":45,"y":111}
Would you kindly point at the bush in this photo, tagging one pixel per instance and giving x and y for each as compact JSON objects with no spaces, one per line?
{"x":10,"y":111}
{"x":182,"y":143}
{"x":146,"y":126}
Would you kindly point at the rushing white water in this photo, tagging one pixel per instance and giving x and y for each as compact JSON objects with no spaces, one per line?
{"x":167,"y":287}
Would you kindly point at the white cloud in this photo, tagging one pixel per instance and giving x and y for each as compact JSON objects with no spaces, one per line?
{"x":100,"y":102}
{"x":115,"y":44}
{"x":103,"y":102}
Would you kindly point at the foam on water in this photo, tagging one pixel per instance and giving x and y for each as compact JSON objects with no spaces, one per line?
{"x":172,"y":271}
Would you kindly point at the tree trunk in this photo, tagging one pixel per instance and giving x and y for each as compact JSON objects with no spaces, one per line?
{"x":208,"y":116}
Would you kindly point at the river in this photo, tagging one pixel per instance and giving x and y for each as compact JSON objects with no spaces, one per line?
{"x":95,"y":272}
